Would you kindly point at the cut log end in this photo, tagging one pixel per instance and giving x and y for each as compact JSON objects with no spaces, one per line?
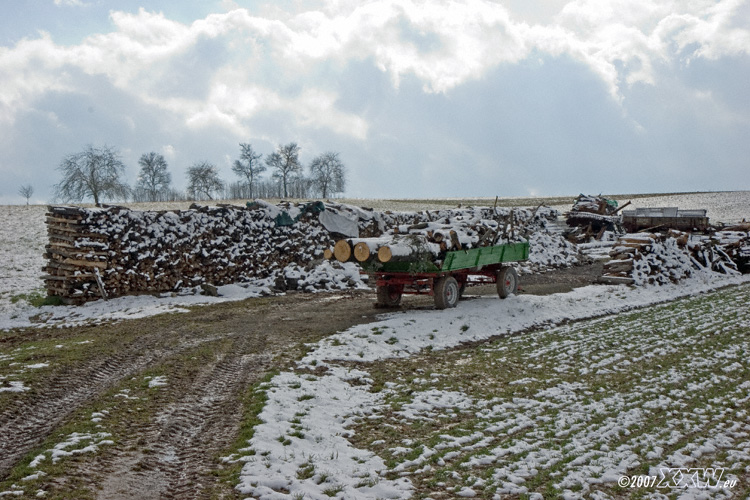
{"x":342,"y":251}
{"x":385,"y":254}
{"x":362,"y":252}
{"x":327,"y":254}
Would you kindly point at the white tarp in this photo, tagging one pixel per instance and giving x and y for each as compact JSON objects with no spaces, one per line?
{"x":345,"y":224}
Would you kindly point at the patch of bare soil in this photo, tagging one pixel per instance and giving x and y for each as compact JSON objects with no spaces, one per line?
{"x":168,"y":444}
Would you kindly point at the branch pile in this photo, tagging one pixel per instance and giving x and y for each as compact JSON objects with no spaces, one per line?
{"x":593,"y":215}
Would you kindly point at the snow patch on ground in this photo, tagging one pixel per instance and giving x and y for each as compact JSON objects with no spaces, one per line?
{"x":12,"y":386}
{"x":326,"y":276}
{"x":160,"y":381}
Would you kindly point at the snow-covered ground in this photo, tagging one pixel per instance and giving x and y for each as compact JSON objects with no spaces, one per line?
{"x":303,"y":449}
{"x":728,"y":206}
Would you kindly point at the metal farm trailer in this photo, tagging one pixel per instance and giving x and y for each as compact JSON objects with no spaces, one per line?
{"x":459,"y":269}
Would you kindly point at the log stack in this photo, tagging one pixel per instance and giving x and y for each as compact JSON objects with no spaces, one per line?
{"x":651,"y":258}
{"x":76,"y":256}
{"x":114,"y":251}
{"x":429,"y":239}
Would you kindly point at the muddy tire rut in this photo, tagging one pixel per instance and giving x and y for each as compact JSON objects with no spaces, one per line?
{"x":196,"y":416}
{"x":185,"y":436}
{"x":27,"y":422}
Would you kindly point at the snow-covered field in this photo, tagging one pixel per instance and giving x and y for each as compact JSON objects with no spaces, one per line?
{"x":730,"y":206}
{"x":570,"y":409}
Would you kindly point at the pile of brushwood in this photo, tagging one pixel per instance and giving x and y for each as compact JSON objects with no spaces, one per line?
{"x":592,"y":216}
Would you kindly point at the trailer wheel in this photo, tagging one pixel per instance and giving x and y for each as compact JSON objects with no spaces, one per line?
{"x":507,"y":282}
{"x":389,"y":295}
{"x":446,"y":292}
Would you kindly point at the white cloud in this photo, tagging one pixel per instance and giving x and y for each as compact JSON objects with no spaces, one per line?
{"x":640,"y":33}
{"x":169,"y":152}
{"x":442,"y":43}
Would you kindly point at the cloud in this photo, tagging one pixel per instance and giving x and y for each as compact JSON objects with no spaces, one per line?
{"x":324,"y":72}
{"x":626,"y":39}
{"x":444,"y":44}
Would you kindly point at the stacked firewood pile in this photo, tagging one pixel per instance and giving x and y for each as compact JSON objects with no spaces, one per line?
{"x":76,"y":254}
{"x":648,"y":258}
{"x":114,"y":251}
{"x":592,"y":216}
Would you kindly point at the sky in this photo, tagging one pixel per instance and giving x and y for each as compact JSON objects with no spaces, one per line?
{"x":423,"y":99}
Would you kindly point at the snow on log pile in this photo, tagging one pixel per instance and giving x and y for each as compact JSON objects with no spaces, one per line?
{"x":646,"y":258}
{"x":114,"y":251}
{"x":597,"y":213}
{"x":429,"y":236}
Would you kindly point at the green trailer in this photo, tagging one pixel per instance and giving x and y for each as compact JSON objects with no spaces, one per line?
{"x":448,"y":280}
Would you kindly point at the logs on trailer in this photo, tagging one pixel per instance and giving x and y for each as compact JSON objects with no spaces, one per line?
{"x":431,"y":240}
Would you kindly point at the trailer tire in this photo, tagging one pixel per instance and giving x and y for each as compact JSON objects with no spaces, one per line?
{"x":446,"y":292}
{"x":389,"y":295}
{"x":507,"y":282}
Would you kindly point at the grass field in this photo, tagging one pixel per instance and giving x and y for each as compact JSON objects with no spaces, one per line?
{"x":569,"y":410}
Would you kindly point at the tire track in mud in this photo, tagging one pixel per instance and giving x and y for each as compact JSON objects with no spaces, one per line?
{"x":185,"y":437}
{"x":197,"y":415}
{"x":28,"y":421}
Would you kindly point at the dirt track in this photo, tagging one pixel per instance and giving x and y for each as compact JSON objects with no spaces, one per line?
{"x":168,"y":441}
{"x":210,"y":356}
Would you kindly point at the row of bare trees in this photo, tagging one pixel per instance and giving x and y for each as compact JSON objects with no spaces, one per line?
{"x":97,"y":173}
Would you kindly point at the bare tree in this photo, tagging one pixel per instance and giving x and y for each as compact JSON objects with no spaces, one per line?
{"x":153,"y":179}
{"x":285,"y":162}
{"x":95,"y":173}
{"x":248,"y":166}
{"x":328,"y":174}
{"x":27,"y":191}
{"x":203,"y":180}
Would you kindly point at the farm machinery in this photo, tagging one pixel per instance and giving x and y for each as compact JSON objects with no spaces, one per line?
{"x":407,"y":270}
